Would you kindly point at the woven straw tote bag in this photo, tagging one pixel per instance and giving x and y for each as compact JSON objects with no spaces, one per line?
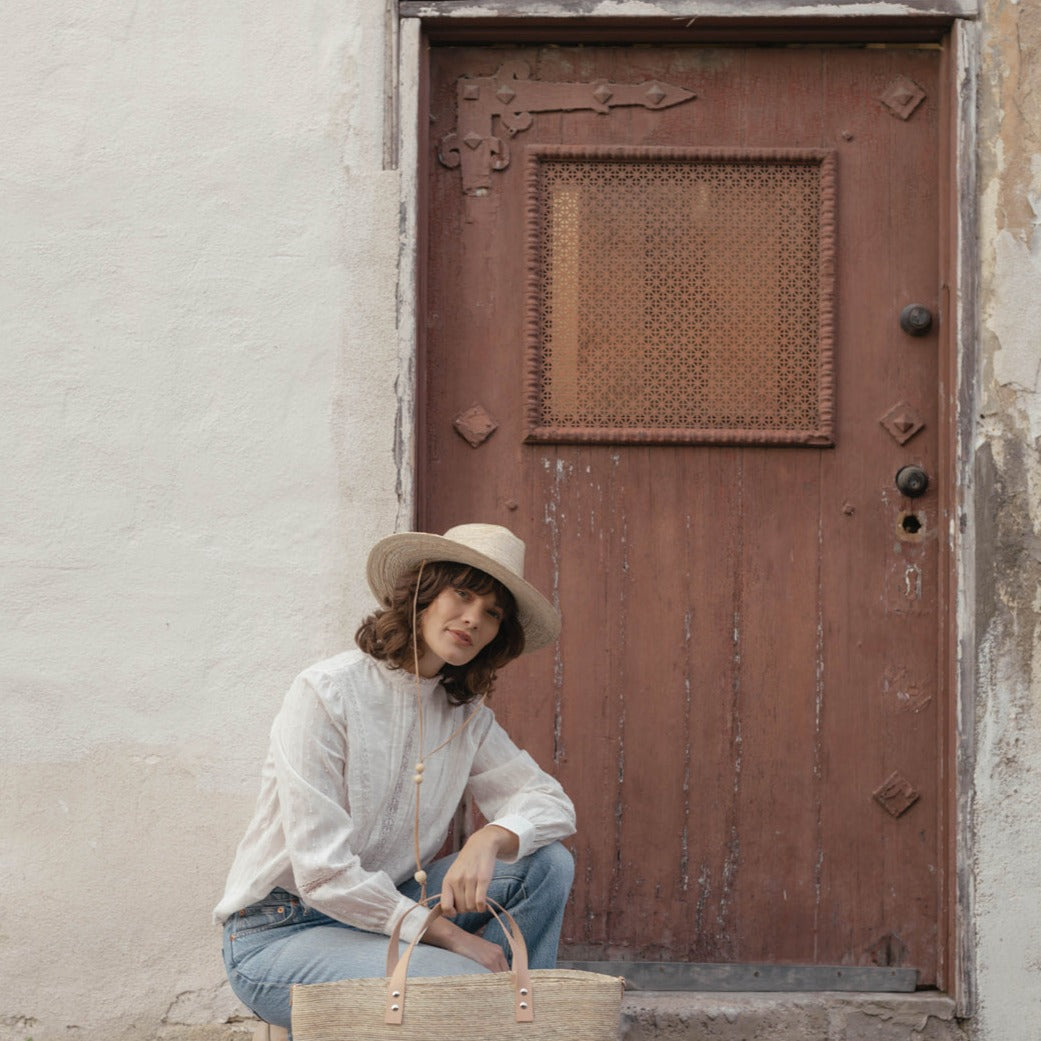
{"x":520,"y":1005}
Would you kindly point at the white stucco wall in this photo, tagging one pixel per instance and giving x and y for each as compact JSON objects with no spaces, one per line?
{"x":198,"y":279}
{"x":198,"y":250}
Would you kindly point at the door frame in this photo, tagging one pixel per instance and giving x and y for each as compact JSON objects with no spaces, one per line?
{"x":413,"y":25}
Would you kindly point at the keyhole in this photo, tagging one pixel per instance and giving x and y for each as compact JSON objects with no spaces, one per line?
{"x":911,"y":524}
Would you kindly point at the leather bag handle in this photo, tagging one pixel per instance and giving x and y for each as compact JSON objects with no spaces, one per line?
{"x":397,"y":968}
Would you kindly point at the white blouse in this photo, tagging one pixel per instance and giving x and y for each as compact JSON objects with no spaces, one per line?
{"x":333,"y":822}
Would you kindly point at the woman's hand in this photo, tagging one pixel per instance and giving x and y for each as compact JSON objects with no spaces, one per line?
{"x":464,"y":888}
{"x":483,"y":951}
{"x":466,"y":884}
{"x":446,"y":934}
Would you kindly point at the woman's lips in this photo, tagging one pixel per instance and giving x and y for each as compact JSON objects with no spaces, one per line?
{"x":461,"y":637}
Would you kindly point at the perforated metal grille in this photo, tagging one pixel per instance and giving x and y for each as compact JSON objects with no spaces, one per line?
{"x":677,"y":295}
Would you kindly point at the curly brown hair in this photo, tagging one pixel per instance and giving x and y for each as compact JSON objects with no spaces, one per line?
{"x":387,"y":633}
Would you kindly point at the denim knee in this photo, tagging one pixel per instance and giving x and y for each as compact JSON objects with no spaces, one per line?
{"x":558,"y":863}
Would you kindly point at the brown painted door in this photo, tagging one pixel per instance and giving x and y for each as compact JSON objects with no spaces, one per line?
{"x":668,"y":327}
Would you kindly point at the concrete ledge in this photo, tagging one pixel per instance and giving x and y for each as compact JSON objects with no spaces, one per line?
{"x":817,"y":1016}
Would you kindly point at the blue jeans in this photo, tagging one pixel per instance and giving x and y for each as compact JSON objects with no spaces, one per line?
{"x":280,"y":941}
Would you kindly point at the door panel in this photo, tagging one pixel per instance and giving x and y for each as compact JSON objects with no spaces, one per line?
{"x":744,"y":701}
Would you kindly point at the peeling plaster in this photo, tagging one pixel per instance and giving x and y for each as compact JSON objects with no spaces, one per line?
{"x":1006,"y":844}
{"x":1010,"y":67}
{"x":1013,"y":314}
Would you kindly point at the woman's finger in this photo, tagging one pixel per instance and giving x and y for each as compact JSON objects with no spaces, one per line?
{"x":447,"y":899}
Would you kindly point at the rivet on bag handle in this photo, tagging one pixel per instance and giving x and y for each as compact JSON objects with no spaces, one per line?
{"x":397,"y":969}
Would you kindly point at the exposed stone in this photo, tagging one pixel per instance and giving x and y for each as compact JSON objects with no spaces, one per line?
{"x":788,"y":1017}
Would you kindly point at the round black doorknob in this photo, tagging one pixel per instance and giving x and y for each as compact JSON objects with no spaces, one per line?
{"x":916,"y":319}
{"x":912,"y":481}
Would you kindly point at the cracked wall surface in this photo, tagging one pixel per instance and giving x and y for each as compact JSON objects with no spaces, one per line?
{"x":202,"y":437}
{"x":1008,"y":478}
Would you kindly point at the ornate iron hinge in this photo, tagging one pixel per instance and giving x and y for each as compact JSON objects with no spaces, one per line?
{"x":513,"y":97}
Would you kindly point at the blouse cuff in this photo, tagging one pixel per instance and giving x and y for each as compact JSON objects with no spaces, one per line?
{"x":523,"y":829}
{"x":412,"y":924}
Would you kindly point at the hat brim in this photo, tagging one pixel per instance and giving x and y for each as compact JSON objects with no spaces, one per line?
{"x":394,"y":555}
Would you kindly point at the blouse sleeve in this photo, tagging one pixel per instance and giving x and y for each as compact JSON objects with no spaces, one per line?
{"x":309,"y":749}
{"x":512,"y":792}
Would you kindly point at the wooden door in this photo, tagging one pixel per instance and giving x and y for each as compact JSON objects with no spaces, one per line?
{"x":660,"y":340}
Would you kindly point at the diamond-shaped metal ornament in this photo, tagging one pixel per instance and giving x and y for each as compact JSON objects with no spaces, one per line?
{"x":902,"y":97}
{"x":505,"y":94}
{"x":603,"y":94}
{"x":896,"y":795}
{"x":902,"y":422}
{"x":903,"y":691}
{"x":472,"y":140}
{"x":656,"y":93}
{"x":474,"y":425}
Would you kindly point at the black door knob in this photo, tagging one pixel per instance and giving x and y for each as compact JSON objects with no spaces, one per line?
{"x":916,"y":320}
{"x":912,"y":481}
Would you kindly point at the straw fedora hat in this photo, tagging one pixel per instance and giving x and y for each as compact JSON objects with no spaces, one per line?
{"x":488,"y":547}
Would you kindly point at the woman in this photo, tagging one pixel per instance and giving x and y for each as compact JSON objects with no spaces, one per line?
{"x":368,"y":760}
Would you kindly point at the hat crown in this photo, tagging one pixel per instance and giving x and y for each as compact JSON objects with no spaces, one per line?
{"x":494,"y":541}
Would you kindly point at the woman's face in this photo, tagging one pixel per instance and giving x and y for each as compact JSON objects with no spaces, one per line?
{"x":456,"y":627}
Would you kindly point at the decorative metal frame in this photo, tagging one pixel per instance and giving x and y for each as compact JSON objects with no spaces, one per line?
{"x":822,"y":435}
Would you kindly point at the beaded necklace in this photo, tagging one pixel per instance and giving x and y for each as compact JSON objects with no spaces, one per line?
{"x":420,"y":875}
